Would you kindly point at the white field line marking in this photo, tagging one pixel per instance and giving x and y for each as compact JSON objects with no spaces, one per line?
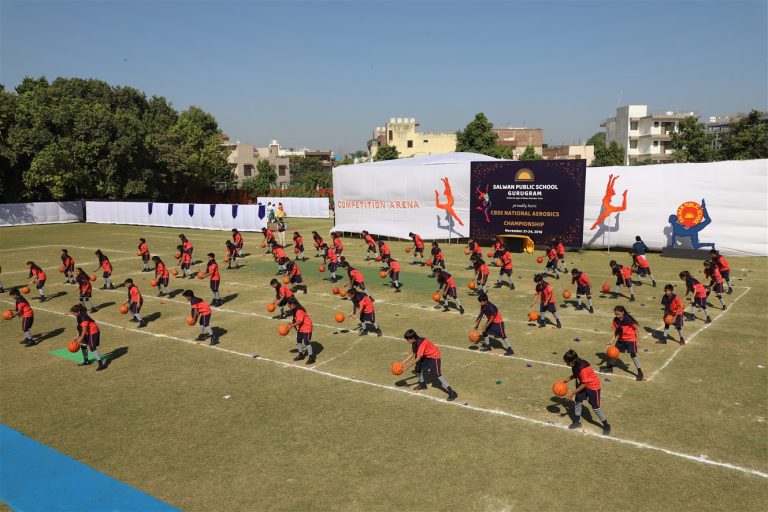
{"x":28,"y":248}
{"x":341,"y":327}
{"x":346,"y":351}
{"x":51,"y":272}
{"x":690,"y":339}
{"x":496,"y":412}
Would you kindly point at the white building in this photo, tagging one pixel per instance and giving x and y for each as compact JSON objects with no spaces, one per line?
{"x":643,"y":135}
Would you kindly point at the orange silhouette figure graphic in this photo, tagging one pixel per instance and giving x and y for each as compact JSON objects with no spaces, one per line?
{"x":607,"y":207}
{"x":448,"y":205}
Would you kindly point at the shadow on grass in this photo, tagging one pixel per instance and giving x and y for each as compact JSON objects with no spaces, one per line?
{"x":48,"y":335}
{"x":152,"y":317}
{"x":563,"y":407}
{"x":229,"y":298}
{"x":105,"y":305}
{"x":56,"y":295}
{"x":219,"y":331}
{"x":116,"y":353}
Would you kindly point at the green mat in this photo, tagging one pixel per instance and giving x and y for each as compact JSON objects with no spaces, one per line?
{"x":74,"y":356}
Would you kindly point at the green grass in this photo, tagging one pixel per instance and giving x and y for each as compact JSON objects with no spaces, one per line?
{"x":349,"y":435}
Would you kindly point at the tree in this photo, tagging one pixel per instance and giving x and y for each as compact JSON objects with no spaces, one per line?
{"x":386,"y":152}
{"x":748,"y":139}
{"x":263,"y":182}
{"x":692,"y":143}
{"x":611,"y":155}
{"x":530,"y":154}
{"x":478,"y":137}
{"x":302,"y":165}
{"x":313,"y":180}
{"x":596,"y":139}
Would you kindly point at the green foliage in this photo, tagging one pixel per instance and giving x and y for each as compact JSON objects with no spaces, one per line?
{"x":264,"y":181}
{"x":692,"y":143}
{"x":610,"y":155}
{"x":478,"y":137}
{"x":304,"y":165}
{"x":747,"y":139}
{"x":386,"y":152}
{"x":530,"y":154}
{"x":596,"y":139}
{"x":82,"y":138}
{"x":316,"y":179}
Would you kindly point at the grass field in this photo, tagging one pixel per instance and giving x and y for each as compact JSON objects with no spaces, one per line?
{"x":213,"y":428}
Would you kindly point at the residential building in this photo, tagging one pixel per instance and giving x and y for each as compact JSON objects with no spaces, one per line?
{"x":569,"y":153}
{"x":519,"y":138}
{"x":247,"y":156}
{"x":720,"y":126}
{"x":401,"y":133}
{"x":642,"y":134}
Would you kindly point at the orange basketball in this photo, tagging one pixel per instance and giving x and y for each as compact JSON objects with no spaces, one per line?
{"x":123,"y":309}
{"x":190,"y":320}
{"x":499,"y":263}
{"x":226,"y":259}
{"x":335,"y":291}
{"x":93,"y":277}
{"x":533,"y":316}
{"x":490,"y":254}
{"x":321,"y":268}
{"x":669,"y":319}
{"x":286,"y":280}
{"x":25,"y":290}
{"x":340,"y":317}
{"x":612,"y":352}
{"x":566,"y":294}
{"x":201,"y":275}
{"x":73,"y":346}
{"x":174,"y":272}
{"x":378,"y":258}
{"x":474,"y":336}
{"x":271,"y":308}
{"x":296,"y":250}
{"x":62,"y":269}
{"x":472,"y":285}
{"x":383,"y":274}
{"x":153,"y":282}
{"x":342,"y":293}
{"x":560,"y":388}
{"x":7,"y":314}
{"x":437,"y":296}
{"x":605,"y":288}
{"x":284,"y":329}
{"x":178,"y":255}
{"x":138,"y":253}
{"x":396,"y":368}
{"x":407,"y":249}
{"x":263,"y":245}
{"x":539,"y":259}
{"x":467,"y":251}
{"x":428,"y":263}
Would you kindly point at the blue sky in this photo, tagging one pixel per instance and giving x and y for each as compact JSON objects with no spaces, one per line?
{"x":325,"y":74}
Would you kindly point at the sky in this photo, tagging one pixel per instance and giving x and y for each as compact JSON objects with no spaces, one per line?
{"x":323,"y":74}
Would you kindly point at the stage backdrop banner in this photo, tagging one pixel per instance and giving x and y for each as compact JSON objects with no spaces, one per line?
{"x":425,"y":195}
{"x":219,"y":217}
{"x":305,"y":207}
{"x":19,"y":214}
{"x":724,"y":204}
{"x":541,"y":199}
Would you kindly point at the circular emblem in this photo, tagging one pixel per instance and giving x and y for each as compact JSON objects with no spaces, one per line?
{"x":689,"y":213}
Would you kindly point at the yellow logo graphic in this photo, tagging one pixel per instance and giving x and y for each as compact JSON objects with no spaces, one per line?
{"x":690,"y":213}
{"x":524,"y":175}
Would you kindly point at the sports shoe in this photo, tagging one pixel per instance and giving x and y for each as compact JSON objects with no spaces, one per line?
{"x":300,"y":356}
{"x":606,"y":369}
{"x":143,"y":323}
{"x":421,"y":386}
{"x":133,"y":320}
{"x":606,"y":429}
{"x":29,"y":343}
{"x":640,"y":377}
{"x":725,"y":308}
{"x":311,"y":359}
{"x":573,"y":426}
{"x":730,"y":290}
{"x":452,"y":396}
{"x":85,"y":363}
{"x":461,"y":310}
{"x":485,"y":348}
{"x":200,"y":338}
{"x":708,"y":321}
{"x":591,"y":310}
{"x":662,"y":341}
{"x":362,"y":332}
{"x":559,"y":325}
{"x":102,"y":365}
{"x":654,"y":285}
{"x":379,"y":333}
{"x":682,"y":340}
{"x":214,"y":340}
{"x":511,"y":286}
{"x":398,"y":290}
{"x":632,"y":298}
{"x":509,"y":352}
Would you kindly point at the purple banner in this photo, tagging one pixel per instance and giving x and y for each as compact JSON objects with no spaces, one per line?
{"x":542,"y":199}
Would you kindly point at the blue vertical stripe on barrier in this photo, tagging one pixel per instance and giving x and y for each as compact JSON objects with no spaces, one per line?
{"x":149,"y":208}
{"x":234,"y":211}
{"x":192,"y":210}
{"x":213,"y":210}
{"x":262,"y":211}
{"x":170,"y":209}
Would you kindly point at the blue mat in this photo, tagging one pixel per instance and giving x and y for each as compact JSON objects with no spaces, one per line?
{"x":36,"y":477}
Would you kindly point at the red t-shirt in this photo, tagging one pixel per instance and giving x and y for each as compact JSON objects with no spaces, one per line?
{"x":134,"y":295}
{"x":356,"y":276}
{"x":506,"y":260}
{"x":366,"y":305}
{"x":285,"y":291}
{"x":87,"y":325}
{"x":38,"y":272}
{"x":428,"y":349}
{"x":544,"y":291}
{"x":305,"y":323}
{"x":625,"y":330}
{"x":161,"y":270}
{"x":418,"y":241}
{"x":337,"y":244}
{"x":213,"y":270}
{"x":200,"y":306}
{"x":23,"y":307}
{"x":394,"y":266}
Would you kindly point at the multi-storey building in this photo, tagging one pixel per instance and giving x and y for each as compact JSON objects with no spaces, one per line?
{"x":643,"y":135}
{"x":569,"y":153}
{"x":401,"y":133}
{"x":519,"y":138}
{"x":247,"y":156}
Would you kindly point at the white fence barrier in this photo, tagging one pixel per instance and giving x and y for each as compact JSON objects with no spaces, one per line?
{"x":243,"y":217}
{"x":307,"y":207}
{"x":19,"y":214}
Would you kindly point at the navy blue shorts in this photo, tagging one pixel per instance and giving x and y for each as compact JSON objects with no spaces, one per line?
{"x":371,"y":248}
{"x":92,"y":340}
{"x":452,"y":292}
{"x":394,"y":275}
{"x":505,"y":272}
{"x":419,"y":250}
{"x":552,"y":264}
{"x":630,"y":347}
{"x":145,"y":257}
{"x":643,"y":271}
{"x":183,"y":265}
{"x":85,"y":295}
{"x":561,"y":257}
{"x":282,"y":302}
{"x":621,"y":281}
{"x":106,"y":274}
{"x":591,"y":395}
{"x":205,"y":320}
{"x":583,"y":290}
{"x":496,"y":329}
{"x":332,"y":267}
{"x":135,"y":307}
{"x":162,"y":281}
{"x":40,"y":284}
{"x":440,"y":264}
{"x":26,"y":323}
{"x":482,"y":279}
{"x":339,"y":251}
{"x":726,"y":274}
{"x":430,"y":365}
{"x":701,"y":302}
{"x":678,"y":323}
{"x":304,"y":337}
{"x":239,"y":245}
{"x":300,"y":247}
{"x":296,"y":278}
{"x":215,"y":285}
{"x":717,"y":288}
{"x":549,"y":306}
{"x":69,"y":269}
{"x":368,"y":317}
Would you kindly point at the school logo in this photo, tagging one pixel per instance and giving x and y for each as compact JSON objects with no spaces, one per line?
{"x":690,"y":213}
{"x":524,"y":175}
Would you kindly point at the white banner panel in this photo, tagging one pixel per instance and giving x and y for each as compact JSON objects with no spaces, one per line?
{"x":307,"y":207}
{"x":19,"y":214}
{"x":219,"y":217}
{"x":425,"y":195}
{"x":735,"y":194}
